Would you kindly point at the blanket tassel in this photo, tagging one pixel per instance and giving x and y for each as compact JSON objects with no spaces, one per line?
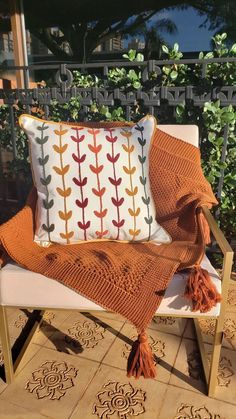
{"x":201,"y":290}
{"x":205,"y":229}
{"x":140,"y":361}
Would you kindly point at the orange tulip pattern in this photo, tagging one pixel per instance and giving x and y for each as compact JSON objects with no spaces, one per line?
{"x":64,"y":192}
{"x":132,"y":191}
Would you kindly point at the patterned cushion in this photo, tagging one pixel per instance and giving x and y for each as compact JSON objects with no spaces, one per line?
{"x":93,"y":184}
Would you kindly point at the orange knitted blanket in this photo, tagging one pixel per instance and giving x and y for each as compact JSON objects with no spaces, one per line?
{"x":129,"y":278}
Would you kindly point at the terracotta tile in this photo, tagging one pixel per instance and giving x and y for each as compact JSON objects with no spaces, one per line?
{"x":226,"y":378}
{"x":51,"y":383}
{"x":171,"y":325}
{"x":188,"y":372}
{"x":9,"y":410}
{"x":183,"y":404}
{"x":164,"y":347}
{"x":112,"y":394}
{"x":85,"y":335}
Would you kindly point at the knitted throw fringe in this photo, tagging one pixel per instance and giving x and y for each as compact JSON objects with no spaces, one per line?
{"x":201,"y":290}
{"x":141,"y":360}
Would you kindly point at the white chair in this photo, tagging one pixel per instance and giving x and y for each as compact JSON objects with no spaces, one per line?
{"x":25,"y":289}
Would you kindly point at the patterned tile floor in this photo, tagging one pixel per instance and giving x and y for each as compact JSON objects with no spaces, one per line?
{"x":75,"y":368}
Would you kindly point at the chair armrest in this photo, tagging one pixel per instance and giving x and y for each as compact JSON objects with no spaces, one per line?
{"x":227,"y":252}
{"x":217,"y":233}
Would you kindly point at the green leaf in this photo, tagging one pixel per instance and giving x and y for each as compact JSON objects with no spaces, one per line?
{"x":233,"y":48}
{"x":140,"y":57}
{"x":137,"y":84}
{"x":176,"y":47}
{"x":165,"y":49}
{"x":173,"y":75}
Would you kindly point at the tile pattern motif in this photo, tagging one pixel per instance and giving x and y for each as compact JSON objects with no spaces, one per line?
{"x":232,"y":297}
{"x":86,"y":334}
{"x":164,"y":320}
{"x":52,"y":380}
{"x":20,"y":322}
{"x":208,"y":328}
{"x":122,"y":400}
{"x":187,"y":411}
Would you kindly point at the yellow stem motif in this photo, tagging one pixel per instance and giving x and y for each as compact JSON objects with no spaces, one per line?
{"x":134,"y":232}
{"x":64,"y":192}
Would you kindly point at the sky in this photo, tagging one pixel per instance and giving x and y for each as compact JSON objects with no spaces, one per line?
{"x":189,"y":36}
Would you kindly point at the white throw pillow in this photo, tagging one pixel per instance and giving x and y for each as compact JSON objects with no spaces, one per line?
{"x":92,"y":183}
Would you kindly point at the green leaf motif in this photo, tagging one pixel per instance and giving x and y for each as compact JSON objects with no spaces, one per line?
{"x":141,"y":142}
{"x":44,"y":161}
{"x":146,"y":201}
{"x":48,"y":204}
{"x":46,"y":181}
{"x":42,"y":141}
{"x":42,"y":128}
{"x":142,"y":159}
{"x":143,"y":180}
{"x":148,"y":220}
{"x":48,"y":229}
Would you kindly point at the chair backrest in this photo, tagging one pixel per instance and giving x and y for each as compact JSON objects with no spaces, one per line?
{"x":188,"y":133}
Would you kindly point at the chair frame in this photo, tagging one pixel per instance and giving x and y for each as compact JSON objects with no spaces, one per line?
{"x":210,"y":371}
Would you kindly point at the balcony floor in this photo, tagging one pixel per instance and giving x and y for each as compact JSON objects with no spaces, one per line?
{"x":75,"y":368}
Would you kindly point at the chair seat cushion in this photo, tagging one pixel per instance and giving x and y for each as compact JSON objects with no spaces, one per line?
{"x":22,"y":288}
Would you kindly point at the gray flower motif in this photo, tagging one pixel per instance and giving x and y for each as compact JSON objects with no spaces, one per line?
{"x":225,"y":372}
{"x":232,"y":297}
{"x":207,"y":326}
{"x":229,"y":329}
{"x":157,"y":347}
{"x":186,"y":411}
{"x":121,"y":400}
{"x":21,"y":321}
{"x":88,"y":334}
{"x":51,"y":380}
{"x":164,"y":320}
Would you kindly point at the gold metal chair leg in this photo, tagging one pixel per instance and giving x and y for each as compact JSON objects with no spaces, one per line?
{"x":215,"y":358}
{"x":6,"y":345}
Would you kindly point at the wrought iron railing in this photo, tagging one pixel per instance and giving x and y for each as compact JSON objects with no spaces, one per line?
{"x":153,"y":98}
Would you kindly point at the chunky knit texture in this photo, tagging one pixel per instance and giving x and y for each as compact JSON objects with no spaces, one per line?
{"x":128,"y":278}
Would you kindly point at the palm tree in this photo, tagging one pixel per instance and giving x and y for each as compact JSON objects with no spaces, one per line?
{"x":154,"y":38}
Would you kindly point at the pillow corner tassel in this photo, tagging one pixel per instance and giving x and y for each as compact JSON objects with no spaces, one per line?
{"x":141,"y":359}
{"x":201,"y":290}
